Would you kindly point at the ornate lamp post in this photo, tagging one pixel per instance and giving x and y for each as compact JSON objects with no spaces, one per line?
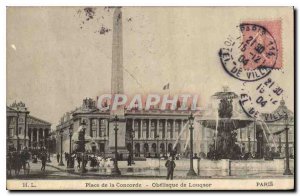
{"x":61,"y":163}
{"x":115,"y":170}
{"x":191,"y":172}
{"x":70,"y":165}
{"x":287,"y":170}
{"x":82,"y":147}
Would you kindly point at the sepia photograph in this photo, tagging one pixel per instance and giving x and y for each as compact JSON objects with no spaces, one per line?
{"x":150,"y":98}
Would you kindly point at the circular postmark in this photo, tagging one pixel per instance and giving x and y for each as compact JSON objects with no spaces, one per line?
{"x":250,"y":55}
{"x":263,"y":100}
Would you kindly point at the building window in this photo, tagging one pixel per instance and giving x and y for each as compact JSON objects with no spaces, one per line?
{"x":20,"y":130}
{"x":94,"y":133}
{"x":102,"y":128}
{"x":102,"y":147}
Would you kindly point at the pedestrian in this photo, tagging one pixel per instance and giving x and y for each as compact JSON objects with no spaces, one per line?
{"x":129,"y":160}
{"x":170,"y":165}
{"x":58,"y":157}
{"x":43,"y":159}
{"x":16,"y":162}
{"x":66,"y":156}
{"x":9,"y":163}
{"x":78,"y":158}
{"x":195,"y":156}
{"x":24,"y":156}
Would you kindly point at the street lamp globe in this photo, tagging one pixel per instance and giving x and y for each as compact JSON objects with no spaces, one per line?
{"x":83,"y":124}
{"x":191,"y":119}
{"x":71,"y":129}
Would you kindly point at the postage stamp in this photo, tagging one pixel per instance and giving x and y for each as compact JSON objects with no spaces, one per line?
{"x":253,"y":53}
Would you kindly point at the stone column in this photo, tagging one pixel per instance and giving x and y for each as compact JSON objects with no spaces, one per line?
{"x":44,"y":138}
{"x":96,"y":129}
{"x":91,"y":127}
{"x":166,"y":128}
{"x":133,"y":129}
{"x":38,"y":137}
{"x":137,"y":130}
{"x":149,"y":130}
{"x":106,"y":127}
{"x":31,"y":138}
{"x":100,"y":134}
{"x":141,"y":128}
{"x":17,"y":130}
{"x":157,"y":127}
{"x":132,"y":124}
{"x":179,"y":129}
{"x":181,"y":125}
{"x":202,"y":133}
{"x":173,"y":129}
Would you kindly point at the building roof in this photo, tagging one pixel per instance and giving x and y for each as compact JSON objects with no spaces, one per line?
{"x":31,"y":120}
{"x":37,"y":121}
{"x":9,"y":109}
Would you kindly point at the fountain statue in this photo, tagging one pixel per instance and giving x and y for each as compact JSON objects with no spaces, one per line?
{"x":225,"y":116}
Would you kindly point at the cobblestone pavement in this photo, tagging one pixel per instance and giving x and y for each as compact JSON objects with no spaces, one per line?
{"x":35,"y":172}
{"x":53,"y":171}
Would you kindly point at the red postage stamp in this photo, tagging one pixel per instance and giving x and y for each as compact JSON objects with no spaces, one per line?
{"x":261,"y":44}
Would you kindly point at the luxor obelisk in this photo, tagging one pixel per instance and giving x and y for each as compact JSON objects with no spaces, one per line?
{"x":117,"y":86}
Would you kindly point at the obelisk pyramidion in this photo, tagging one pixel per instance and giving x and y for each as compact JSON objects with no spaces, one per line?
{"x":117,"y":84}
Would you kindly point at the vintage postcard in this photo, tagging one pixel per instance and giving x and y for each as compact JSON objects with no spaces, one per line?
{"x":150,"y":98}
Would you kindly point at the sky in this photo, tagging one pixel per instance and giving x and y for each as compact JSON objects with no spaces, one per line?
{"x":56,"y":56}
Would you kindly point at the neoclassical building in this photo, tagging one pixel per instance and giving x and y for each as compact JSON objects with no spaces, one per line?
{"x":151,"y":131}
{"x":156,"y":131}
{"x":25,"y":129}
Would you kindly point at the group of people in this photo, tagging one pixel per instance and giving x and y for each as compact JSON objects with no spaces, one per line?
{"x":100,"y":161}
{"x":17,"y":160}
{"x":85,"y":159}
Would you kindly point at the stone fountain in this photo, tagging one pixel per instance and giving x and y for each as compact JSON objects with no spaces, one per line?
{"x":224,"y":115}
